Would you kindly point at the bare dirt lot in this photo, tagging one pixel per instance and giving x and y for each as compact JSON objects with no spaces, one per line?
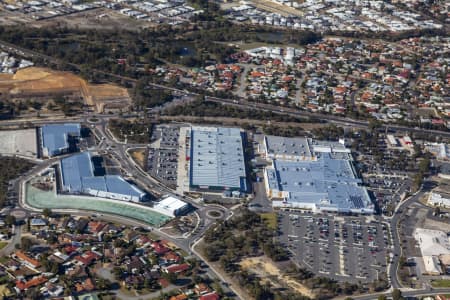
{"x":38,"y":81}
{"x":139,"y":156}
{"x":266,"y":269}
{"x":107,"y":95}
{"x":6,"y":76}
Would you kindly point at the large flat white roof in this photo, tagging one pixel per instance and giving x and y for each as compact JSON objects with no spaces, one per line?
{"x":217,"y":158}
{"x":302,"y":147}
{"x":277,"y":145}
{"x":171,"y":204}
{"x":432,"y":242}
{"x":432,"y":265}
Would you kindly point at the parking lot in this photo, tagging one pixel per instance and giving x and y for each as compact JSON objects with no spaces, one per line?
{"x":163,"y":156}
{"x":21,"y":142}
{"x":342,"y":248}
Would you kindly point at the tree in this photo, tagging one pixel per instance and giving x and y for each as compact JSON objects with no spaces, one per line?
{"x":382,"y":297}
{"x":417,"y":181}
{"x":437,"y":211}
{"x":402,"y":261}
{"x":217,"y":287}
{"x":374,"y":124}
{"x":47,"y":212}
{"x":118,"y":273}
{"x":397,"y":294}
{"x":54,"y":268}
{"x":26,"y":244}
{"x":146,"y":283}
{"x":10,"y":220}
{"x":424,"y":165}
{"x":197,"y":279}
{"x":103,"y":284}
{"x":171,"y":277}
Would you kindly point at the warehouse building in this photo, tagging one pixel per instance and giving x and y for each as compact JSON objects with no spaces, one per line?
{"x":432,"y":265}
{"x":172,"y":207}
{"x":56,"y":139}
{"x":300,"y":148}
{"x":313,"y":175}
{"x":434,"y":246}
{"x":217,"y":160}
{"x":325,"y":184}
{"x":77,"y":177}
{"x":439,"y":200}
{"x":432,"y":242}
{"x":277,"y":147}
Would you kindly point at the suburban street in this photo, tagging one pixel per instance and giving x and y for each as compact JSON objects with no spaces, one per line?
{"x":144,"y":180}
{"x":207,"y":150}
{"x":119,"y":151}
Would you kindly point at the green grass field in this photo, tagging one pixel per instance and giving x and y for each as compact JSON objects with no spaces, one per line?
{"x":3,"y":259}
{"x":441,"y":283}
{"x":271,"y":220}
{"x":3,"y":245}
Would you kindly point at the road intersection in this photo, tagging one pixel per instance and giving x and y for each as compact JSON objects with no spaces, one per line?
{"x":119,"y":151}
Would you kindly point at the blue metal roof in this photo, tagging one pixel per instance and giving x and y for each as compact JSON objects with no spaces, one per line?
{"x":326,"y":182}
{"x":116,"y":184}
{"x":38,"y":222}
{"x":54,"y":136}
{"x":94,"y":183}
{"x":73,"y":169}
{"x":78,"y":177}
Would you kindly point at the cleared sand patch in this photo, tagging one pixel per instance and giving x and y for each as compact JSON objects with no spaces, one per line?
{"x":40,"y":80}
{"x":107,"y":90}
{"x":139,"y":155}
{"x":265,"y":268}
{"x":6,"y":76}
{"x":35,"y":80}
{"x":108,"y":96}
{"x":32,"y":73}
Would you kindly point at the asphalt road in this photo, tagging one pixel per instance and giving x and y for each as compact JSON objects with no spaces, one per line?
{"x":405,"y":293}
{"x":150,"y":183}
{"x":119,"y":151}
{"x":241,"y":103}
{"x":327,"y":118}
{"x":8,"y":249}
{"x":397,"y":250}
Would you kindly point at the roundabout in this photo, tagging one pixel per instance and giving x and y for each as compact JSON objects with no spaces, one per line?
{"x":215,"y":213}
{"x":93,"y":120}
{"x":19,"y":214}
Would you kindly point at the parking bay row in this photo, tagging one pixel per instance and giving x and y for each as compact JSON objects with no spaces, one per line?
{"x":339,"y":248}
